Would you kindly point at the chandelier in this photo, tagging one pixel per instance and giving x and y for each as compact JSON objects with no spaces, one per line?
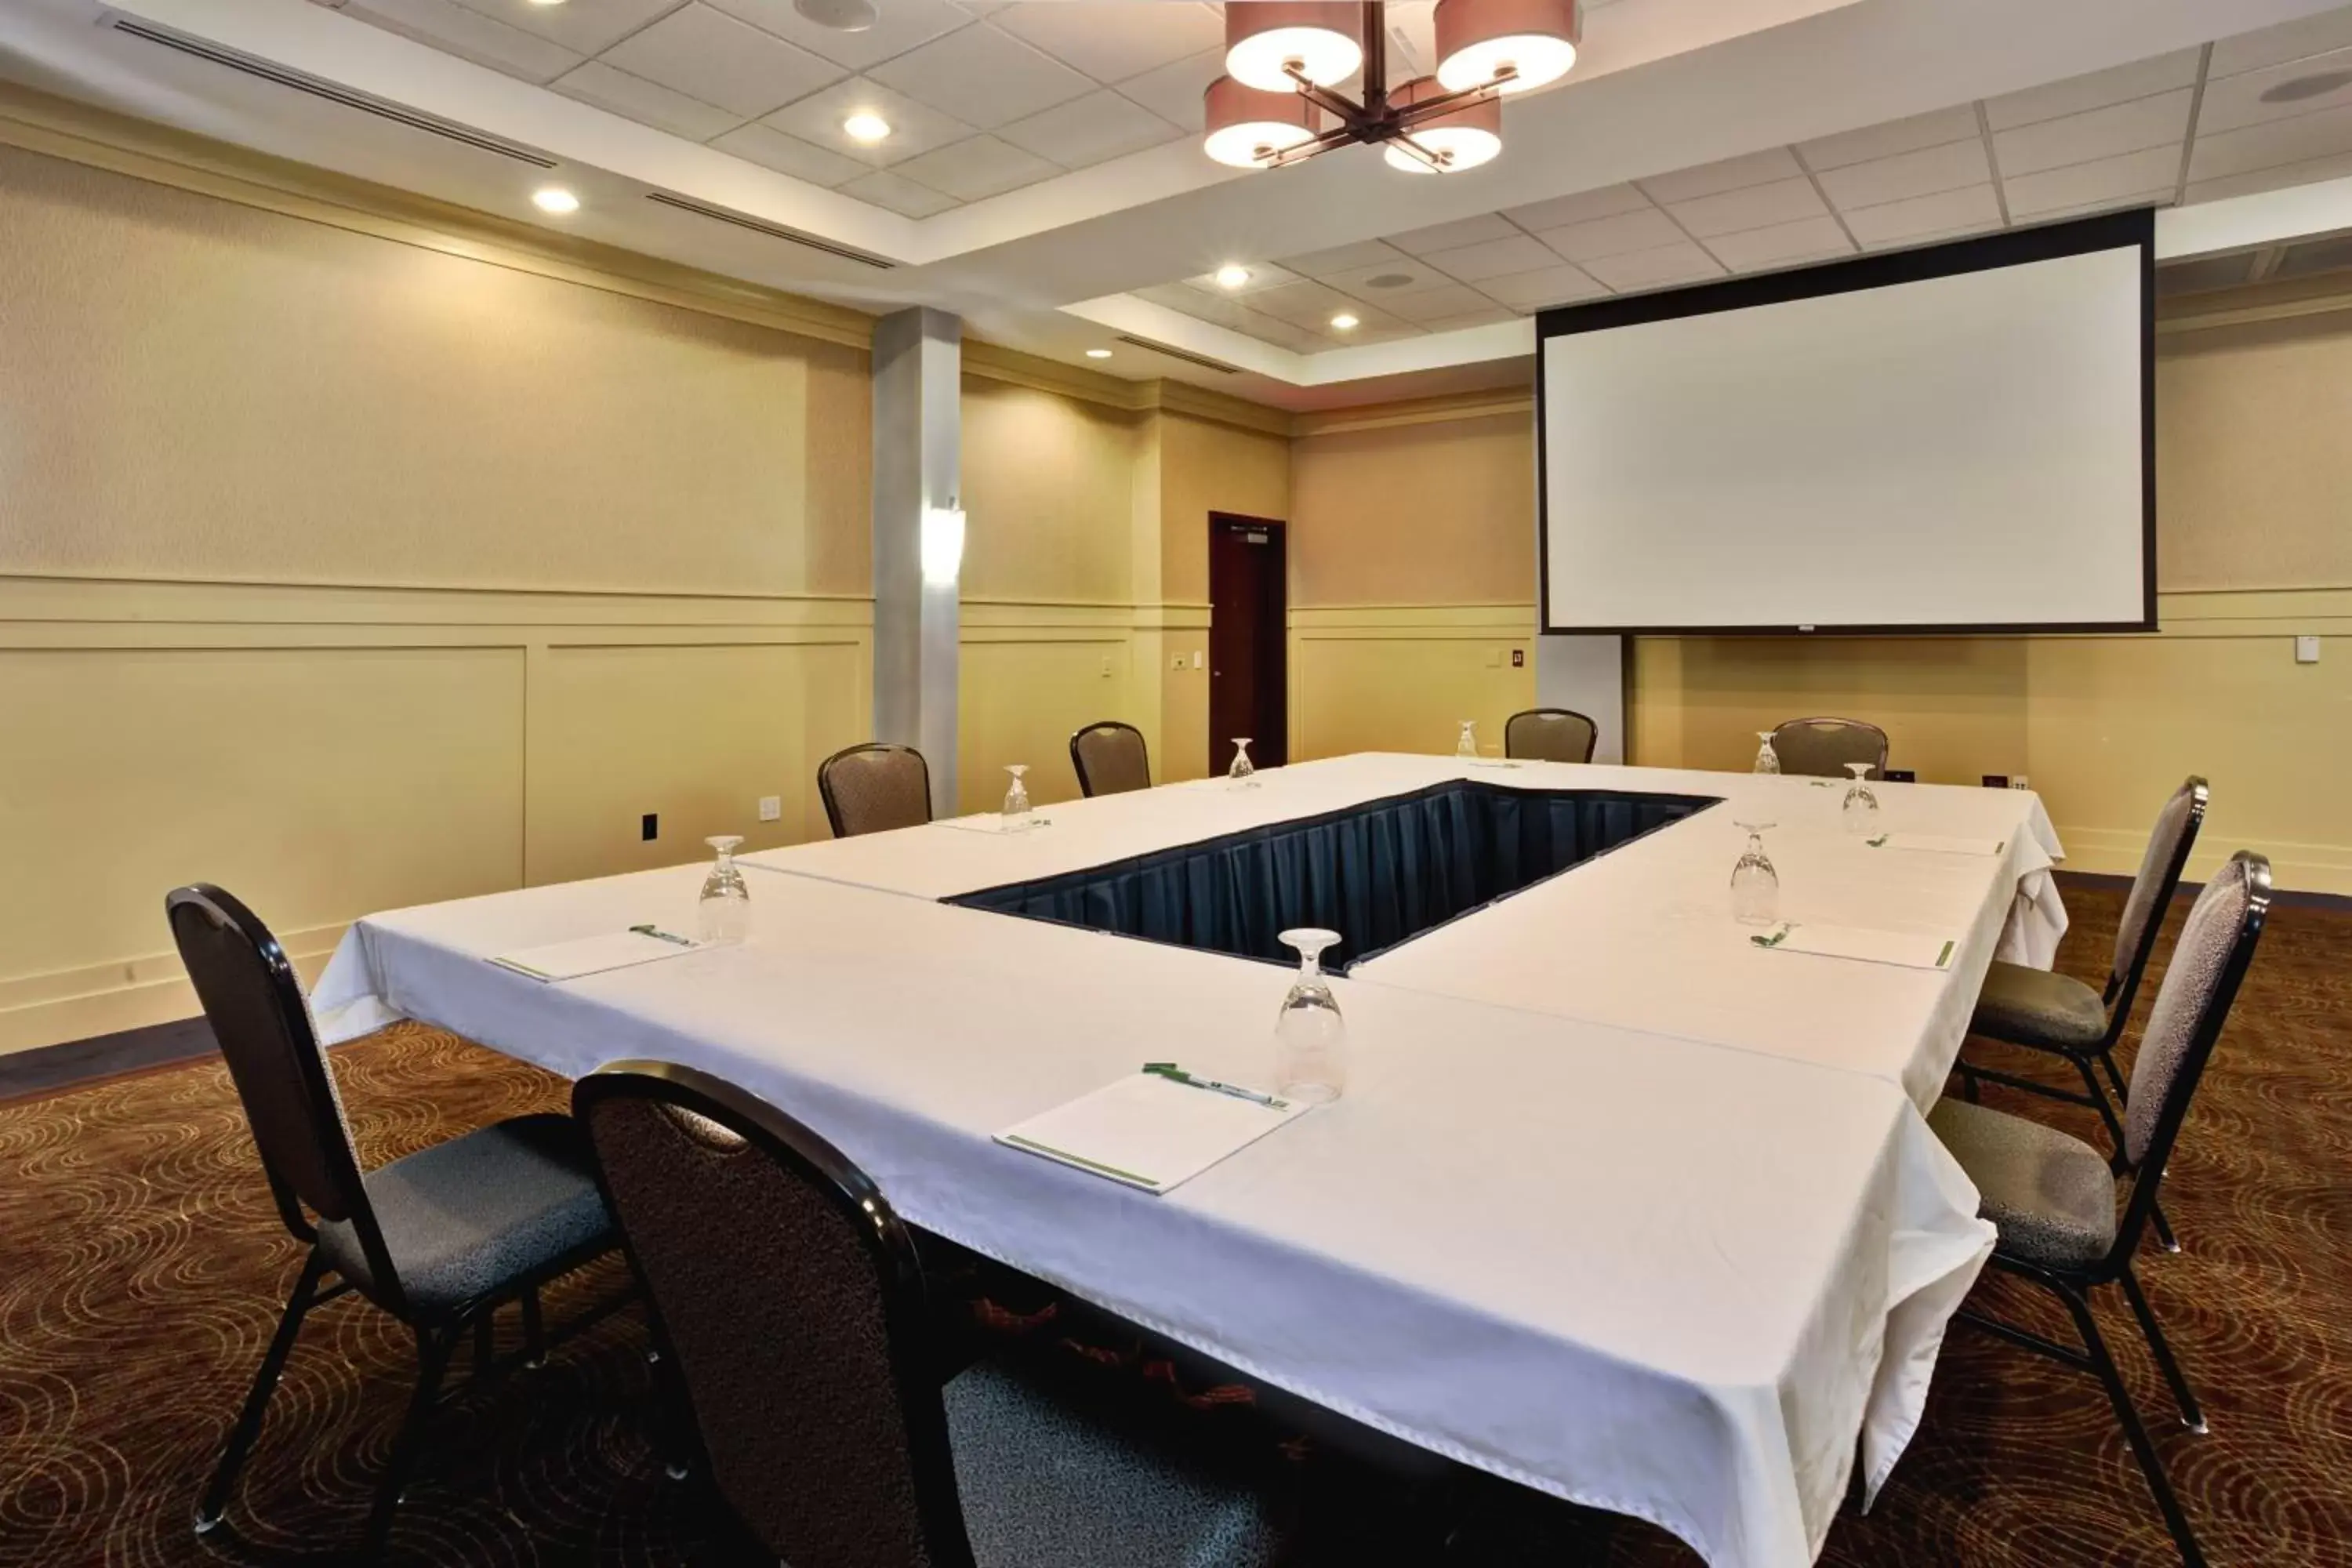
{"x":1275,"y":103}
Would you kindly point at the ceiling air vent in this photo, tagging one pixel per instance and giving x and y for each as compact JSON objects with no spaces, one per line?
{"x":382,"y":108}
{"x":1202,"y":360}
{"x":773,"y":231}
{"x":2205,"y":273}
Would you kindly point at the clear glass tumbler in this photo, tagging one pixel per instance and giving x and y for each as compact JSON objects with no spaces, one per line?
{"x":1466,"y":747}
{"x":724,"y":915}
{"x":1767,"y":761}
{"x":1310,"y":1038}
{"x":1016,"y":800}
{"x":1860,"y":812}
{"x":1755,"y":885}
{"x":1243,"y":773}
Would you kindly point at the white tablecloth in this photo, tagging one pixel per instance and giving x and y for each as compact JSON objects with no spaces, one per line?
{"x":1660,"y":1278}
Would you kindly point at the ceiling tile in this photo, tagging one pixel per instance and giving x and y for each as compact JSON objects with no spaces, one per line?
{"x":914,"y":127}
{"x":977,"y":168}
{"x":1946,"y":212}
{"x":1111,"y":40}
{"x":1752,"y":206}
{"x":2142,"y":122}
{"x":2321,"y":135}
{"x":709,"y":54}
{"x":1436,"y":304}
{"x":1263,"y":275}
{"x":1731,"y":174}
{"x":1782,"y":245}
{"x":1303,"y":304}
{"x":1201,"y":306}
{"x":1544,"y":286}
{"x":2103,"y":180}
{"x":2235,"y":103}
{"x":789,"y":156}
{"x":982,"y":76}
{"x":1908,"y":174}
{"x":1642,"y":229}
{"x":1493,"y":259}
{"x":1486,"y":318}
{"x":1344,"y":258}
{"x":2072,"y":95}
{"x":899,"y":25}
{"x":1887,"y":141}
{"x":453,"y":29}
{"x":1090,"y":129}
{"x":2276,"y":45}
{"x":1282,"y":334}
{"x":2150,"y":198}
{"x":1372,"y":326}
{"x":1387,"y":282}
{"x":901,"y":195}
{"x":1453,"y":235}
{"x":585,"y":25}
{"x":1173,"y":91}
{"x":647,"y":103}
{"x":1659,"y":268}
{"x":1583,"y":207}
{"x":2270,"y":179}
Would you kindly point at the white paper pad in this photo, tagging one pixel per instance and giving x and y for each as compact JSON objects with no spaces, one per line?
{"x":1940,"y":844}
{"x":994,"y":822}
{"x":590,"y":955}
{"x":1910,"y":950}
{"x":1147,"y":1131}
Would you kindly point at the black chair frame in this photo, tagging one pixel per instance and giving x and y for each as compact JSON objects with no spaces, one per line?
{"x":1592,"y":735}
{"x":1078,"y":762}
{"x":2121,"y":991}
{"x":915,"y":1363}
{"x":438,"y":1334}
{"x":824,"y":777}
{"x":2073,"y":1286}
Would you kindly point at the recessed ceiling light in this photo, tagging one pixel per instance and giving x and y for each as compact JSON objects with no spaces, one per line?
{"x":1343,"y":322}
{"x":554,"y":199}
{"x":1232,"y":277}
{"x":841,"y":16}
{"x":546,"y":2}
{"x":1098,"y":353}
{"x":867,"y":127}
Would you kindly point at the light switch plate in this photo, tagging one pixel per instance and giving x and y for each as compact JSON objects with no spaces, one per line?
{"x":2306,"y":650}
{"x":1199,"y":658}
{"x":772,"y":807}
{"x":1105,"y":666}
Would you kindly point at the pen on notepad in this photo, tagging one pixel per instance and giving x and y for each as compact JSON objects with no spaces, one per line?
{"x":660,"y":935}
{"x":1170,"y":1070}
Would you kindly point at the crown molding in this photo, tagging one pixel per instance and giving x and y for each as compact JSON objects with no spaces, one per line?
{"x":1416,"y":411}
{"x":994,"y":362}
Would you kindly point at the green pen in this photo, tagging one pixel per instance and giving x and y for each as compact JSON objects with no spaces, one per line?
{"x":1172,"y":1071}
{"x":660,"y":935}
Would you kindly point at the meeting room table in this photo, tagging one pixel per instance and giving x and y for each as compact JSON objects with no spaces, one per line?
{"x":1615,"y":1205}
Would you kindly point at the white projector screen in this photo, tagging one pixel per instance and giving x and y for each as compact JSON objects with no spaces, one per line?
{"x":1949,"y":439}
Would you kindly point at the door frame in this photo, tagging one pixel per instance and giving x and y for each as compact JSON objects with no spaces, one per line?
{"x":1279,"y":530}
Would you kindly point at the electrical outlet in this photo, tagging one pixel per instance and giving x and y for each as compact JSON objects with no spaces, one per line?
{"x":1175,"y":661}
{"x":2017,"y":780}
{"x":2306,"y":650}
{"x":772,"y":807}
{"x":1995,"y":781}
{"x":1519,"y":658}
{"x":649,"y":826}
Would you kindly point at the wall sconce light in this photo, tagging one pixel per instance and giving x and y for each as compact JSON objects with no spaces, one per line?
{"x":942,"y":544}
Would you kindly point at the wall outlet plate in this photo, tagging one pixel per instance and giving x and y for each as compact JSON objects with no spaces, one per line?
{"x":1175,"y":661}
{"x":1995,"y":781}
{"x":2017,"y":780}
{"x":2306,"y":650}
{"x":772,"y":807}
{"x":1519,"y":658}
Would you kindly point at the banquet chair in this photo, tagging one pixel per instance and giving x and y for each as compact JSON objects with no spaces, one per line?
{"x":1551,"y":735}
{"x":2053,"y":1198}
{"x":1109,"y":757}
{"x":1820,"y":748}
{"x":872,"y":787}
{"x":789,"y":1300}
{"x":440,"y":1239}
{"x":2059,"y":1015}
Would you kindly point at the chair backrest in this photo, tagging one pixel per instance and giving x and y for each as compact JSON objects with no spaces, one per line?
{"x":2161,"y":867}
{"x":1551,"y":735}
{"x":2201,"y":983}
{"x":1820,"y":748}
{"x":1109,"y":757}
{"x":873,"y":787}
{"x":254,"y":1002}
{"x":790,"y":1302}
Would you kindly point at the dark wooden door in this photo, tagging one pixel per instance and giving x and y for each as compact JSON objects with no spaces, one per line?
{"x":1249,"y":597}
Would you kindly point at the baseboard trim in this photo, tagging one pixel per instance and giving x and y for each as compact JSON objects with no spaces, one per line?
{"x":74,"y":1064}
{"x":2115,"y":882}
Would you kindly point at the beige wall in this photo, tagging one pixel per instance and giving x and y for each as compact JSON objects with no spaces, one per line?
{"x":351,"y":572}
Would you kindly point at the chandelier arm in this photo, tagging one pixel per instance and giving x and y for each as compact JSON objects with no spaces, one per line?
{"x":1416,"y":149}
{"x":1445,"y":103}
{"x":1323,"y":98}
{"x":1337,"y":137}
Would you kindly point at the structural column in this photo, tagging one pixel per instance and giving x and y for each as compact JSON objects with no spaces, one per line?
{"x":918,"y":537}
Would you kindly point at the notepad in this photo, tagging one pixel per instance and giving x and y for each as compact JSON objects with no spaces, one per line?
{"x":1148,"y":1131}
{"x":1936,"y":844}
{"x":994,"y":822}
{"x":591,"y":955}
{"x":1909,"y":950}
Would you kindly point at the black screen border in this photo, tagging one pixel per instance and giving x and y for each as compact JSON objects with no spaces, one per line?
{"x":2016,"y":248}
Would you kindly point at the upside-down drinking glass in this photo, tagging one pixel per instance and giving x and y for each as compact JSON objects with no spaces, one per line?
{"x":1860,"y":812}
{"x":1767,"y":761}
{"x":1310,"y":1038}
{"x":1016,"y":800}
{"x":1755,"y":885}
{"x":724,"y":915}
{"x":1242,"y":775}
{"x":1467,"y":747}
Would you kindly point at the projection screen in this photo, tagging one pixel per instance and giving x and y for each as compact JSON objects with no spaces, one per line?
{"x":1957,"y":438}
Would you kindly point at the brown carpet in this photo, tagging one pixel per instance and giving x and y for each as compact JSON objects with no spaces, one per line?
{"x":141,"y":1269}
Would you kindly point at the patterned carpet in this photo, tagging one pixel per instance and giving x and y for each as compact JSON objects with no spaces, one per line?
{"x":141,"y":1269}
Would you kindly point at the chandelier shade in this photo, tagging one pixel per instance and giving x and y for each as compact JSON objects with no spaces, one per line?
{"x":1246,"y":126}
{"x":1513,"y":45}
{"x":1323,"y":39}
{"x":1460,"y":138}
